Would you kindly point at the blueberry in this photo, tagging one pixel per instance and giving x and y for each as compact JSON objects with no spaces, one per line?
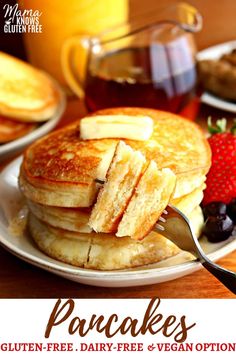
{"x":231,"y":210}
{"x":218,"y":228}
{"x":214,"y":209}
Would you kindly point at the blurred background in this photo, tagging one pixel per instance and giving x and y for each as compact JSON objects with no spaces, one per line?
{"x":160,"y":61}
{"x":219,"y":22}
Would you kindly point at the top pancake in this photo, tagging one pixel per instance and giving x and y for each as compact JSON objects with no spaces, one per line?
{"x":26,"y":94}
{"x":60,"y":169}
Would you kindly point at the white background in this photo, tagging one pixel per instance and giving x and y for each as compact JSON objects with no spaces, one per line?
{"x":26,"y":320}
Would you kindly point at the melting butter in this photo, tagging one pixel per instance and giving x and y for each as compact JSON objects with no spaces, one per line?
{"x":18,"y":223}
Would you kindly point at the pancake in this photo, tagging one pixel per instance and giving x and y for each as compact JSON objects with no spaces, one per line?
{"x":60,"y":169}
{"x":26,"y":94}
{"x":189,"y":202}
{"x":114,"y":196}
{"x":176,"y":143}
{"x":102,"y":251}
{"x":76,"y":219}
{"x":72,"y":219}
{"x":150,"y":199}
{"x":11,"y":130}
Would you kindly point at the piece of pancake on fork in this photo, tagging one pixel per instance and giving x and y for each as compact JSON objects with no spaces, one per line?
{"x":121,"y":180}
{"x":149,"y":200}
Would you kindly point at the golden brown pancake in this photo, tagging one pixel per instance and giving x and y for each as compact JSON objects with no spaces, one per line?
{"x":188,"y":202}
{"x":26,"y":93}
{"x":103,"y":251}
{"x":148,"y":202}
{"x":60,"y":169}
{"x":121,"y":179}
{"x":11,"y":130}
{"x":72,"y":219}
{"x":76,"y":219}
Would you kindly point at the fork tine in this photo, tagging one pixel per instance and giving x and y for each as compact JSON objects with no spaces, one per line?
{"x":97,"y":180}
{"x":162,"y":219}
{"x":159,"y":227}
{"x":165,"y":212}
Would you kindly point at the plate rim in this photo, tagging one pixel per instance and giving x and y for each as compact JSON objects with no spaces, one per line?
{"x":66,"y":270}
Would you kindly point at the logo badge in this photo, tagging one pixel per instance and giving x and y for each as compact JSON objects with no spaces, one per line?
{"x":21,"y":21}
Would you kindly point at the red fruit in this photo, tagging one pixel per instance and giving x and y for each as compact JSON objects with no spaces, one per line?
{"x":221,"y":179}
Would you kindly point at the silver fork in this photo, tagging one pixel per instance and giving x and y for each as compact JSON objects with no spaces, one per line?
{"x":175,"y":226}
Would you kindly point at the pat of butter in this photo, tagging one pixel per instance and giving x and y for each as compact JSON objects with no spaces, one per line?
{"x":116,"y":126}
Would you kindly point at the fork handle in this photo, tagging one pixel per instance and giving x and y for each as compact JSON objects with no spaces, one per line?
{"x":226,"y":277}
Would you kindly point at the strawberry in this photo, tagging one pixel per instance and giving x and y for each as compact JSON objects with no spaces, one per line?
{"x":221,"y":179}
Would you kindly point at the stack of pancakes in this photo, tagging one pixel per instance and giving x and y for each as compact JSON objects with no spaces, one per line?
{"x":58,"y":178}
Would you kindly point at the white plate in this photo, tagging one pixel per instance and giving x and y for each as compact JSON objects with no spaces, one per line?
{"x":10,"y":149}
{"x":215,"y":52}
{"x":24,"y":248}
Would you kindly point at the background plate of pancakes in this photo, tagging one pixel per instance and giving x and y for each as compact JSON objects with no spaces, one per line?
{"x":10,"y":148}
{"x":20,"y":244}
{"x":214,"y":53}
{"x":31,"y":104}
